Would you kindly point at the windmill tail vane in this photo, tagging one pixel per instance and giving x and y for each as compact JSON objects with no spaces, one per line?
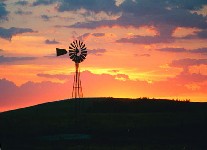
{"x":60,"y":52}
{"x":77,"y":52}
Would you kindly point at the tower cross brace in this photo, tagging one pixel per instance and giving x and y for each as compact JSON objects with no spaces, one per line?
{"x":77,"y":88}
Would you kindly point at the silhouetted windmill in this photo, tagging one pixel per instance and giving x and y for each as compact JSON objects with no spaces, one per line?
{"x":77,"y":52}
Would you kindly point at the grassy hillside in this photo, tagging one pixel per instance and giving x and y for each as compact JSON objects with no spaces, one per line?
{"x":106,"y":123}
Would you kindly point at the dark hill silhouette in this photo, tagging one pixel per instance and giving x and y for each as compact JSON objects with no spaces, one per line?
{"x":106,"y":122}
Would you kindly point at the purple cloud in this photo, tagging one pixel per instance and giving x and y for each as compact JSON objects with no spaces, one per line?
{"x":92,"y":24}
{"x":51,"y":41}
{"x":150,"y":13}
{"x":44,"y":2}
{"x":202,"y":34}
{"x":98,"y":34}
{"x":3,"y":12}
{"x":29,"y":93}
{"x":185,"y":63}
{"x":183,"y":50}
{"x":86,"y":35}
{"x":21,"y":12}
{"x":72,"y":5}
{"x":186,"y":77}
{"x":190,"y":5}
{"x":22,"y":3}
{"x":45,"y":17}
{"x":197,"y":35}
{"x":142,"y":55}
{"x":9,"y":33}
{"x":4,"y":59}
{"x":91,"y":5}
{"x":97,"y":52}
{"x":145,"y":40}
{"x":56,"y":76}
{"x":200,"y":50}
{"x":173,"y":50}
{"x":165,"y":16}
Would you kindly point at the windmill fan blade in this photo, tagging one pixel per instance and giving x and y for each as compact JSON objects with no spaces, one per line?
{"x":76,"y":43}
{"x":84,"y":52}
{"x":79,"y":43}
{"x":71,"y":51}
{"x":60,"y":52}
{"x":83,"y":49}
{"x":83,"y":46}
{"x":73,"y":45}
{"x":71,"y":48}
{"x":72,"y":56}
{"x":82,"y":57}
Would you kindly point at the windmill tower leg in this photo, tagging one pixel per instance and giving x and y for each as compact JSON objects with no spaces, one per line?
{"x":77,"y":88}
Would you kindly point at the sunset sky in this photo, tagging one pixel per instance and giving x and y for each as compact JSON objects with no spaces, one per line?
{"x":136,"y":48}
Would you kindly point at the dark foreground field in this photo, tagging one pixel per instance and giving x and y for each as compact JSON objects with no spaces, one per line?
{"x":106,"y":124}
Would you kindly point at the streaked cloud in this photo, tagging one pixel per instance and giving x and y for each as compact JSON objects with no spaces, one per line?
{"x":146,"y":40}
{"x":21,"y":12}
{"x":51,"y":41}
{"x":97,"y":52}
{"x":98,"y":34}
{"x":22,"y":2}
{"x":197,"y":35}
{"x":45,"y":17}
{"x":142,"y":55}
{"x":56,"y":76}
{"x":9,"y":33}
{"x":87,"y":35}
{"x":183,"y":63}
{"x":183,"y":50}
{"x":4,"y":59}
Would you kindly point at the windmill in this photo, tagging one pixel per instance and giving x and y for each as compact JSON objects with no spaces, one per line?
{"x":77,"y":52}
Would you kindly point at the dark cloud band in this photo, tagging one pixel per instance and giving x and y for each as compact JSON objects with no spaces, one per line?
{"x":3,"y":12}
{"x":9,"y":33}
{"x":4,"y":59}
{"x":51,"y":41}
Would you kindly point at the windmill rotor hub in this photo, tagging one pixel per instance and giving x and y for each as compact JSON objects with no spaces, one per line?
{"x":77,"y":51}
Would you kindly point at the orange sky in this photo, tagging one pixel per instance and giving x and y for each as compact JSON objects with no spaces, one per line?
{"x":136,"y":48}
